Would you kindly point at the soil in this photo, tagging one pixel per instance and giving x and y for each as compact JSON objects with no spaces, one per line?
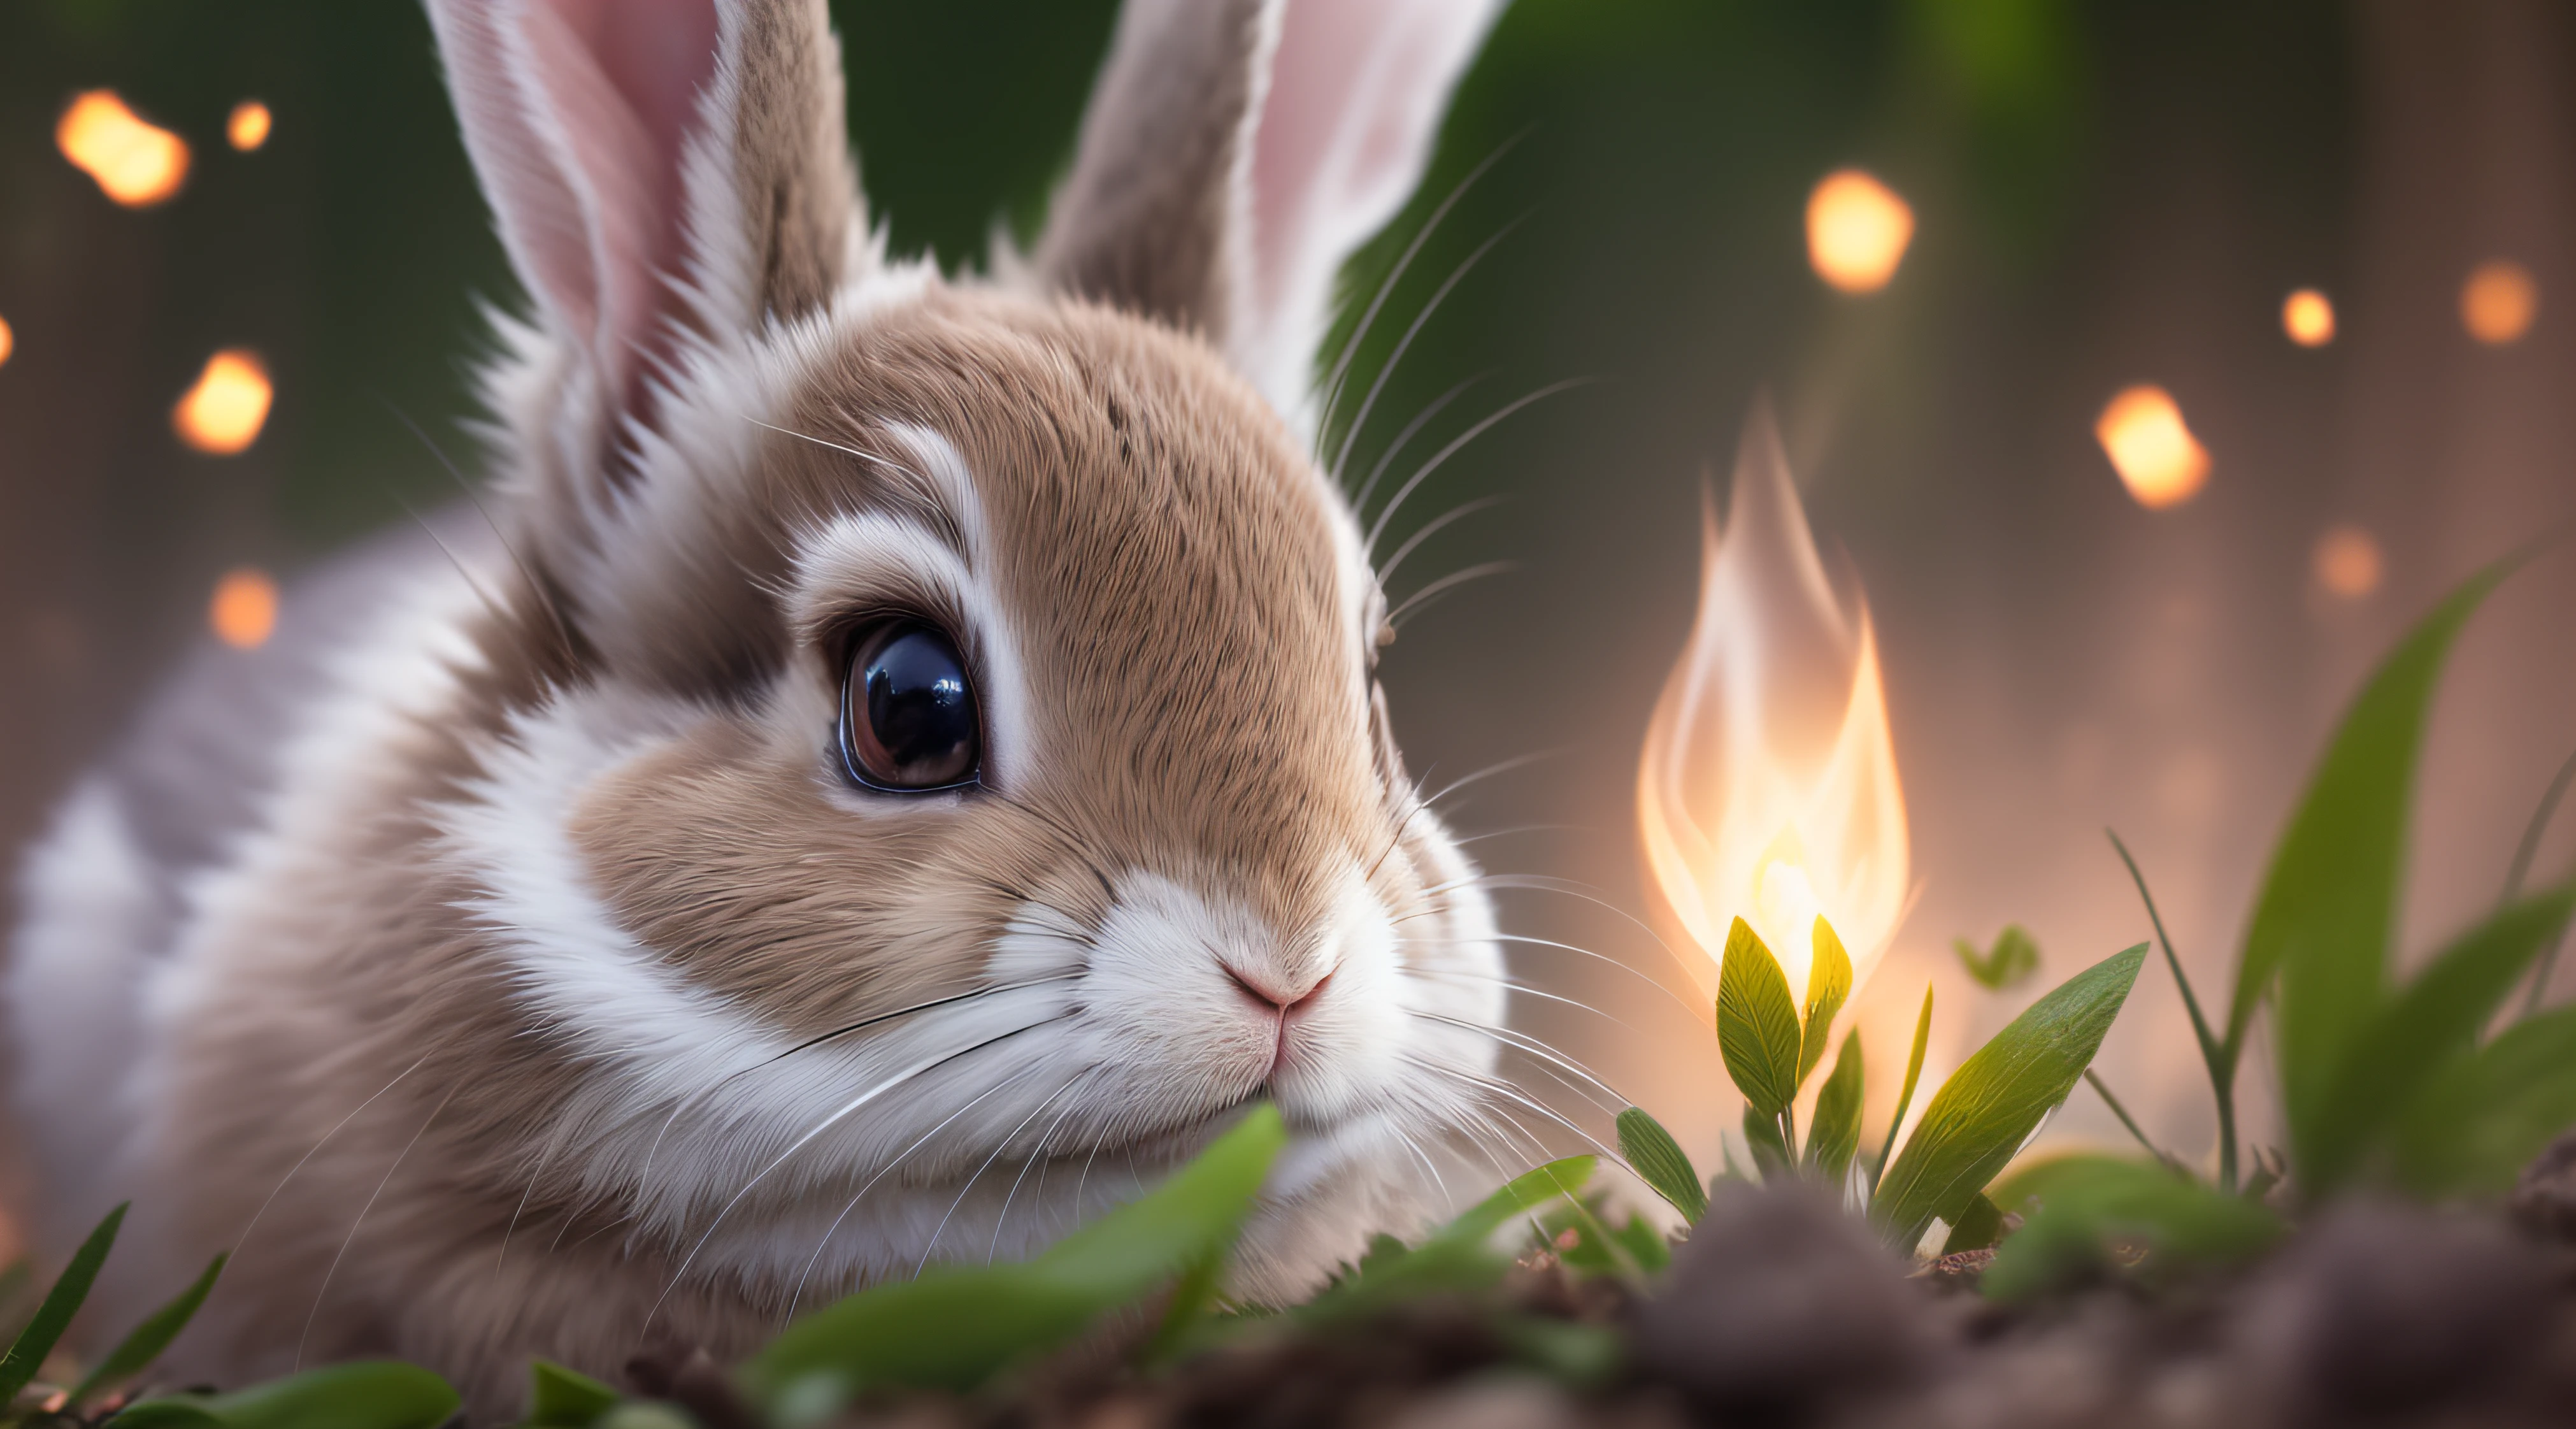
{"x":1781,"y":1310}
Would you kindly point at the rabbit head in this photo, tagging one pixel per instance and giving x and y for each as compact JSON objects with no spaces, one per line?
{"x":932,"y":770}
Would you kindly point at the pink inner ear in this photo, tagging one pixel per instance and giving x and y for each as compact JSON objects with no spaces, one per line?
{"x":621,"y":81}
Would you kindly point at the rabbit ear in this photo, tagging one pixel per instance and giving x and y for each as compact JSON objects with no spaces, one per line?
{"x":656,"y":167}
{"x":1235,"y":153}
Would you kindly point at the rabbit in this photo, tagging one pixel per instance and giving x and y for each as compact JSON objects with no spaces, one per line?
{"x":893,"y":765}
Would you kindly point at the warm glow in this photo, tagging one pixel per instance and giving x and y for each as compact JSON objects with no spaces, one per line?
{"x":248,"y":126}
{"x":244,"y":609}
{"x":2156,"y":455}
{"x":8,"y":341}
{"x":138,"y":164}
{"x":2308,"y":318}
{"x":2347,"y":562}
{"x":1768,"y":789}
{"x":2498,"y":302}
{"x":223,"y":413}
{"x":1857,"y":229}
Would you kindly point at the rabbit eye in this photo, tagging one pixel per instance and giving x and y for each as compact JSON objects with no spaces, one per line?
{"x":908,"y":718}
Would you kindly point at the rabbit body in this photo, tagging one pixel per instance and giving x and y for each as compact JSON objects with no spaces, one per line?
{"x":515,"y":958}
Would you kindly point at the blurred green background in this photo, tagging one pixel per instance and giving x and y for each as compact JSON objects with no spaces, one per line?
{"x":2106,"y":193}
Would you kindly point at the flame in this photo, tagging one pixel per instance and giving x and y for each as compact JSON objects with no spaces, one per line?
{"x":1768,"y":790}
{"x":247,"y":129}
{"x":2498,"y":302}
{"x":138,"y":164}
{"x":223,"y":412}
{"x":1857,"y":230}
{"x":2158,"y":458}
{"x":244,"y":609}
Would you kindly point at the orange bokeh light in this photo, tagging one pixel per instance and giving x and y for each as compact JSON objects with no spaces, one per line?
{"x":244,"y":610}
{"x":1857,"y":231}
{"x":2308,"y":317}
{"x":2157,"y":457}
{"x":137,"y":164}
{"x":2498,"y":302}
{"x":2347,"y":562}
{"x":247,"y":129}
{"x":8,"y":341}
{"x":223,"y":412}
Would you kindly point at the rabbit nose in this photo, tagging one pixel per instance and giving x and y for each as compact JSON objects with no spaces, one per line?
{"x":1274,"y":993}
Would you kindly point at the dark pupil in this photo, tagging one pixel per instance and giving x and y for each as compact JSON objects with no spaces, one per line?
{"x":920,"y":712}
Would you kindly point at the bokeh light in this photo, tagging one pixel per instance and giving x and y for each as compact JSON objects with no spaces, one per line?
{"x":244,"y":610}
{"x":2157,"y":457}
{"x":8,"y":341}
{"x":2498,"y":302}
{"x":2347,"y":562}
{"x":1857,"y":230}
{"x":2308,"y":317}
{"x":247,"y":129}
{"x":135,"y":163}
{"x":223,"y":412}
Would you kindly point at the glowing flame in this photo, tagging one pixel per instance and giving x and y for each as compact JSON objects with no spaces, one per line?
{"x":2156,"y":455}
{"x":2308,"y":317}
{"x":247,"y":129}
{"x":1857,"y":230}
{"x":136,"y":163}
{"x":1768,"y":790}
{"x":223,"y":413}
{"x":2498,"y":302}
{"x":244,"y":610}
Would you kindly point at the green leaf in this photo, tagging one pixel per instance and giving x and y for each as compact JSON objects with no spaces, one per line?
{"x":1762,"y":1138}
{"x":954,"y":1327}
{"x":1757,"y":1024}
{"x":2433,"y":1020}
{"x":144,"y":1344}
{"x":2483,"y":1117}
{"x":27,"y":1353}
{"x":366,"y":1394}
{"x":560,"y":1398}
{"x":1990,"y":1106}
{"x":1660,"y":1162}
{"x":2086,"y":1203}
{"x":1835,"y":1135}
{"x":1905,"y":1098}
{"x":1980,"y":1227}
{"x":1644,"y":1244}
{"x":2014,"y":958}
{"x":1829,"y":981}
{"x":2322,"y":923}
{"x":1459,"y":1257}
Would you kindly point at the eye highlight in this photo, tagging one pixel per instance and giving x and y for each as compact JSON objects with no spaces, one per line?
{"x":909,"y":722}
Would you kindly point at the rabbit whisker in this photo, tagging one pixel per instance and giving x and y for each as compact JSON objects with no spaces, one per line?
{"x":1386,"y":370}
{"x":323,"y":1290}
{"x":1524,"y":989}
{"x":1524,"y":1043}
{"x":1444,"y":585}
{"x":1422,"y":473}
{"x":244,"y":1238}
{"x":542,"y":592}
{"x":999,"y":1146}
{"x":1403,"y":437}
{"x":1036,"y":1161}
{"x":1432,"y":528}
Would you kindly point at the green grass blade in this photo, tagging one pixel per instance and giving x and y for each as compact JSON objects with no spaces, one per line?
{"x":1904,"y":1098}
{"x":2085,"y":1203}
{"x":144,"y":1344}
{"x":2137,"y":1133}
{"x":1757,"y":1023}
{"x":366,"y":1394}
{"x":2523,"y":854}
{"x":1660,"y":1162}
{"x":1990,"y":1106}
{"x":953,"y":1328}
{"x":2432,"y":1020}
{"x":560,"y":1398}
{"x":27,"y":1353}
{"x":2219,"y":1058}
{"x":1829,"y":983}
{"x":2323,"y":921}
{"x":2483,"y":1117}
{"x":1978,"y":1228}
{"x":1835,"y":1136}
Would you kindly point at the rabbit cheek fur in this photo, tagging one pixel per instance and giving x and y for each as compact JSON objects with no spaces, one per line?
{"x":561,"y":990}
